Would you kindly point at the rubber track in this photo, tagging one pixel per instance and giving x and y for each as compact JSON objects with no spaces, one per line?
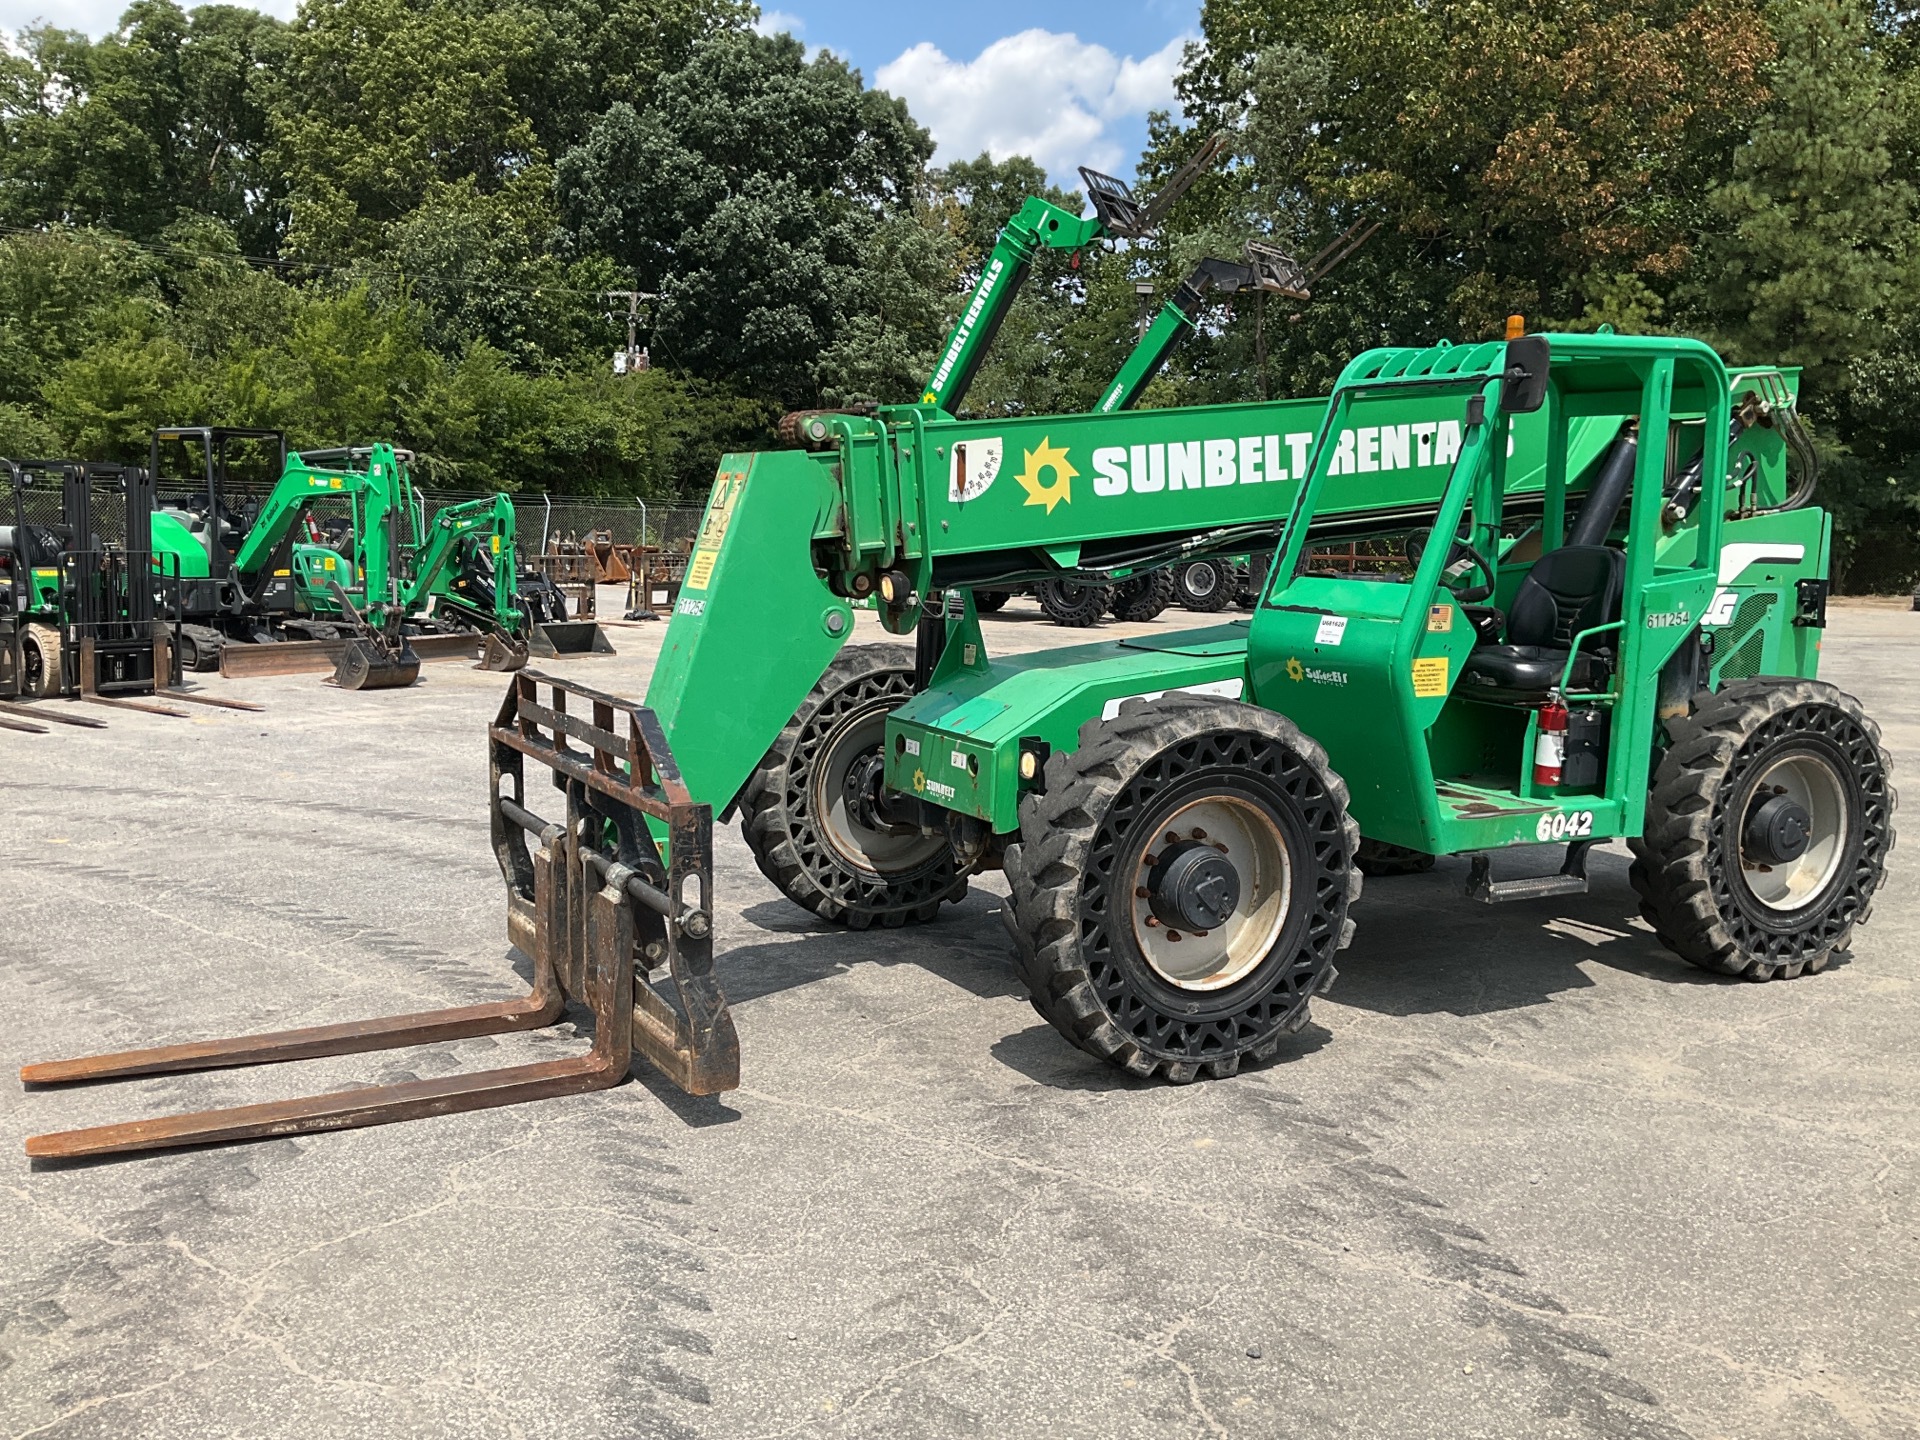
{"x":1059,"y":828}
{"x":1671,"y":860}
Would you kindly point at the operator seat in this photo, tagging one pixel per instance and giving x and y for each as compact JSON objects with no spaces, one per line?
{"x":1567,"y":590}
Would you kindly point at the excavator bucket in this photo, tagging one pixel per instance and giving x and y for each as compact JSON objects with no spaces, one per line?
{"x":569,"y":637}
{"x":503,"y":653}
{"x":601,"y":908}
{"x":368,"y":664}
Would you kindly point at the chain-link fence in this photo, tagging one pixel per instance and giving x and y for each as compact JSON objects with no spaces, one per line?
{"x":541,"y":523}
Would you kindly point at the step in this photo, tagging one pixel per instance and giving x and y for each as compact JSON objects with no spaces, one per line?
{"x":1570,"y":880}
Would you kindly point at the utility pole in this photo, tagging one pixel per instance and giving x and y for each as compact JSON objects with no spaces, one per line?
{"x":633,"y":359}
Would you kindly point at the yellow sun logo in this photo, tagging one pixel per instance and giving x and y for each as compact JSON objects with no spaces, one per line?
{"x":1295,"y":670}
{"x":1047,"y":457}
{"x":920,"y":782}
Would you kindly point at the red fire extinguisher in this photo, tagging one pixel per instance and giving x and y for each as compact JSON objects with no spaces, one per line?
{"x":1550,"y":749}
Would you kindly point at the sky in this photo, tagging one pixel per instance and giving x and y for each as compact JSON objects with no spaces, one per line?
{"x":1068,"y":85}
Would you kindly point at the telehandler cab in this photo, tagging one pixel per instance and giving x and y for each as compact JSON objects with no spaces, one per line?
{"x":1618,"y":641}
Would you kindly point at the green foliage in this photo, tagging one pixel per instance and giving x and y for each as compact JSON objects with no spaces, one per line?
{"x":1812,"y":251}
{"x":753,"y":193}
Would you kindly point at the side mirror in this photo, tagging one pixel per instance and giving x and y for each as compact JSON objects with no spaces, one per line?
{"x":1523,"y":385}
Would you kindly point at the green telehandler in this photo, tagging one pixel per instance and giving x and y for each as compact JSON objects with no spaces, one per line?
{"x":1618,"y":642}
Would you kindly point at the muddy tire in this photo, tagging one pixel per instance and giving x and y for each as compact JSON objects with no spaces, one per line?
{"x":1205,"y":587}
{"x":1768,"y":824}
{"x":804,"y":823}
{"x":40,"y":656}
{"x":1068,"y":602}
{"x":985,"y":602}
{"x":1376,"y":857}
{"x":1143,"y":597}
{"x":1100,"y":894}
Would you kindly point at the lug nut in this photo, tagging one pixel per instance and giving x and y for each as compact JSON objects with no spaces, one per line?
{"x":1173,"y":934}
{"x":1198,"y":833}
{"x":1140,"y":891}
{"x":1152,"y":921}
{"x":1172,"y":839}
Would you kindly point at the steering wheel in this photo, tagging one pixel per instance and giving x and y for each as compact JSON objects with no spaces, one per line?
{"x":1417,"y":546}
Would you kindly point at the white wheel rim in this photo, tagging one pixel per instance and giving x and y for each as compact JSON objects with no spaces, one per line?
{"x":1810,"y":782}
{"x":1214,"y":959}
{"x":873,"y":851}
{"x":1202,"y":581}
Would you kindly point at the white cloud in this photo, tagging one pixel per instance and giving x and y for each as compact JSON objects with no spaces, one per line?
{"x":1038,"y":93}
{"x":774,"y":22}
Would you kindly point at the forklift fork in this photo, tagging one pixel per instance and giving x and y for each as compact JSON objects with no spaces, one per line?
{"x":597,"y":906}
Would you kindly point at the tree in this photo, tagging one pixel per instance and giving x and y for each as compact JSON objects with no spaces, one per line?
{"x":163,"y":117}
{"x":1812,"y":246}
{"x":753,"y":192}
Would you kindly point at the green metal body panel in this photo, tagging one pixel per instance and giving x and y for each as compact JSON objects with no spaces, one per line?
{"x":958,"y":743}
{"x":755,"y":625}
{"x":170,"y":537}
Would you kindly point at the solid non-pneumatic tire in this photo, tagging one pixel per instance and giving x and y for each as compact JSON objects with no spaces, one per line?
{"x":40,"y":652}
{"x":1768,"y":825}
{"x":1180,"y":890}
{"x":1068,"y":602}
{"x":1376,"y":857}
{"x":1205,"y":586}
{"x":985,"y":602}
{"x":807,"y":810}
{"x":1143,"y":597}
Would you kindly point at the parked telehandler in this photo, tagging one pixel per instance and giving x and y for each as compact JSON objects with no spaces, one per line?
{"x":1621,"y":642}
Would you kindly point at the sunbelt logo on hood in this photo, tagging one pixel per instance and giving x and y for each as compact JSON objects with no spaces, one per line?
{"x":1048,"y":471}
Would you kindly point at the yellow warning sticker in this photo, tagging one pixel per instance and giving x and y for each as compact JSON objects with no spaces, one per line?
{"x":1430,"y":676}
{"x":700,"y":570}
{"x":726,"y":491}
{"x":1439,"y":618}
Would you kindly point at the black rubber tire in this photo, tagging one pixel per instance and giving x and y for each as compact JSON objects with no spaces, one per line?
{"x":1090,"y":981}
{"x":1143,"y":597}
{"x":1687,"y":865}
{"x":1205,"y":587}
{"x":777,"y":810}
{"x":1376,"y":857}
{"x":1068,"y":602}
{"x":985,"y":602}
{"x":40,"y":652}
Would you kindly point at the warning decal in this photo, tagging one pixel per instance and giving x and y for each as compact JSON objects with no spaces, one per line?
{"x":1430,"y":677}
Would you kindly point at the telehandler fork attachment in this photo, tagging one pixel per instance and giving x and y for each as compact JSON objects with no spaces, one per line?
{"x":593,"y":901}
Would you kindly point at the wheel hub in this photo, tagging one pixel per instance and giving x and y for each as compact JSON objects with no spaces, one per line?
{"x":862,"y":788}
{"x":1193,"y":887}
{"x":1212,"y":890}
{"x":1778,"y":831}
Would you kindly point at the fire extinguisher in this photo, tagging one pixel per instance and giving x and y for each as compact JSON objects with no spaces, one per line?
{"x":1550,"y":749}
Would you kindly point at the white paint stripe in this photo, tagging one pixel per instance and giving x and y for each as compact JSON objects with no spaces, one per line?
{"x":1735,"y":558}
{"x":1225,"y":689}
